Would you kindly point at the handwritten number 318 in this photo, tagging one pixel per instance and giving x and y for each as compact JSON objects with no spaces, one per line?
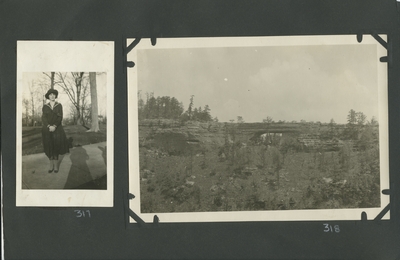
{"x":330,"y":228}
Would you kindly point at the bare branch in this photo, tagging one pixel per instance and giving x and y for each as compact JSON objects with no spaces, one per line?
{"x":47,"y":75}
{"x":67,"y":90}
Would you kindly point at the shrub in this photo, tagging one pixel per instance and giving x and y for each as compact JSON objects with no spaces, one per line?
{"x":345,"y":154}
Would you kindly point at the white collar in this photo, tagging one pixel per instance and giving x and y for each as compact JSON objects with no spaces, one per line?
{"x":55,"y":104}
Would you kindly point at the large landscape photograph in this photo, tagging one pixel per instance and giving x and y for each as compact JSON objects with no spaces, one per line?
{"x":258,"y":128}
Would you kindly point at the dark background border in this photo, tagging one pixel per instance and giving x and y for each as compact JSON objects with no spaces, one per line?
{"x":56,"y":233}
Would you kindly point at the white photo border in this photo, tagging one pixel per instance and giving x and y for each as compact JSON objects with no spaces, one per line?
{"x":66,"y":56}
{"x":271,"y":215}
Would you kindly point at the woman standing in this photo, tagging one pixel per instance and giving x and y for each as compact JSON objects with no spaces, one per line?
{"x":55,"y":142}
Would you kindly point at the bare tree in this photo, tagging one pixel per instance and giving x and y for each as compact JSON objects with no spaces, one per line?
{"x":25,"y":103}
{"x":42,"y":87}
{"x":268,"y":120}
{"x":32,"y":94}
{"x":36,"y":92}
{"x":93,"y":97}
{"x":72,"y":85}
{"x":72,"y":114}
{"x":85,"y":107}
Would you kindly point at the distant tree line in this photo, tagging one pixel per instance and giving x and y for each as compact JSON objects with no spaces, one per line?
{"x":166,"y":107}
{"x":160,"y":107}
{"x":354,"y":118}
{"x":354,"y":128}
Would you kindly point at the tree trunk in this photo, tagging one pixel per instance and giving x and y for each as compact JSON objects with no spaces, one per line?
{"x":52,"y":80}
{"x":26,"y":116}
{"x":93,"y":97}
{"x":79,"y":108}
{"x":83,"y":117}
{"x":79,"y":116}
{"x":33,"y":110}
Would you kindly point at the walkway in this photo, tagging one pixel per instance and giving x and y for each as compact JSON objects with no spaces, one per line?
{"x":83,"y":168}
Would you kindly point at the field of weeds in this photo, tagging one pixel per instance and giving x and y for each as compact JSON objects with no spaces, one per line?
{"x":227,"y":172}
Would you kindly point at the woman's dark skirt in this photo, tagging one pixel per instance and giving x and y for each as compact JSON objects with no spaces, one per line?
{"x":55,"y":143}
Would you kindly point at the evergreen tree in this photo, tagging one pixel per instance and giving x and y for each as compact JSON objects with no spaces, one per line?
{"x":352,"y":117}
{"x":195,"y":114}
{"x":190,"y":108}
{"x":373,"y":121}
{"x":141,"y":106}
{"x":206,"y":114}
{"x":360,"y":118}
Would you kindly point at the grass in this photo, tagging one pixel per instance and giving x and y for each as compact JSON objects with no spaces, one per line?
{"x":32,"y":137}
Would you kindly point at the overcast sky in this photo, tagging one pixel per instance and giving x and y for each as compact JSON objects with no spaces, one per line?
{"x":314,"y":83}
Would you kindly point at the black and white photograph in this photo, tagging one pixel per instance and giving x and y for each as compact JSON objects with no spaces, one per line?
{"x":65,"y":123}
{"x":258,"y":128}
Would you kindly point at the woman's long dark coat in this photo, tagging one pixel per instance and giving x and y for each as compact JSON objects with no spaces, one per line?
{"x":54,"y":143}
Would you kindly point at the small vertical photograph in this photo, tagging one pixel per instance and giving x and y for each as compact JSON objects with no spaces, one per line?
{"x":65,"y":121}
{"x":258,"y":128}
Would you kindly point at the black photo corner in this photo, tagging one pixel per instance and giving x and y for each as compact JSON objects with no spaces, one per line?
{"x":117,"y":231}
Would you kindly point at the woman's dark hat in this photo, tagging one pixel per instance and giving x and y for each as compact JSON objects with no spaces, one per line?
{"x":50,"y":91}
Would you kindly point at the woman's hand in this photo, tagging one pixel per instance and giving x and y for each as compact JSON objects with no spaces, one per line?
{"x":52,"y":128}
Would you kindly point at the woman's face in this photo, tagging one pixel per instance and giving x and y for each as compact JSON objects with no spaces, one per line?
{"x":52,"y":97}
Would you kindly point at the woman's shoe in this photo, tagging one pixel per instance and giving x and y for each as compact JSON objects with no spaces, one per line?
{"x":55,"y":171}
{"x":50,"y":171}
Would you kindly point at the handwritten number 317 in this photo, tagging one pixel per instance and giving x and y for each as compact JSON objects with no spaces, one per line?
{"x":83,"y":213}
